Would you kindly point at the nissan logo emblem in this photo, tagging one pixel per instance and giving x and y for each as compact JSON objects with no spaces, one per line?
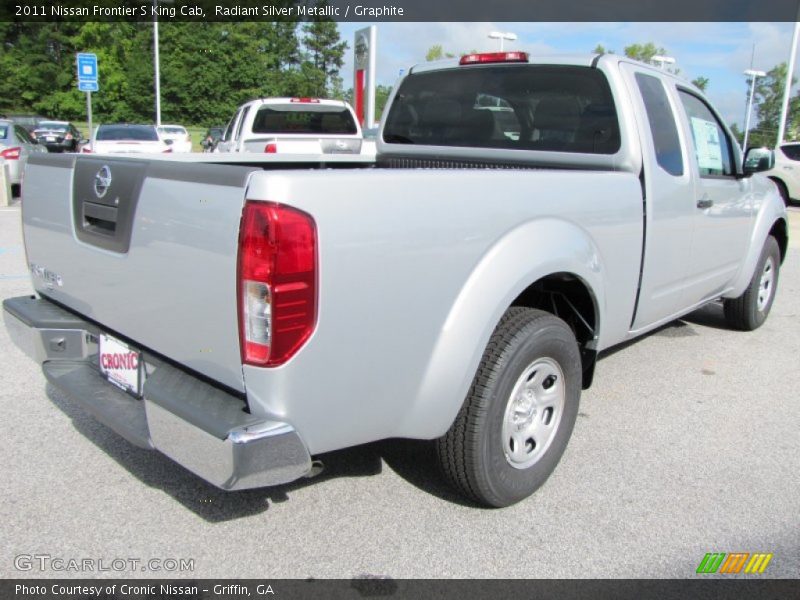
{"x":102,"y":181}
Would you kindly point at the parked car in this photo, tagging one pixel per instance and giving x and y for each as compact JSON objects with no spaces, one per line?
{"x":784,"y":168}
{"x":211,"y":138}
{"x":57,"y":136}
{"x":176,"y":136}
{"x":16,"y":145}
{"x":125,"y":138}
{"x":245,"y":318}
{"x":293,"y":126}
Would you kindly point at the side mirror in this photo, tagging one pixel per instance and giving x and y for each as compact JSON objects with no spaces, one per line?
{"x":757,"y":160}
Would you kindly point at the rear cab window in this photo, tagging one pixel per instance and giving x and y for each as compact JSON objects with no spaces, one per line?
{"x":304,"y":119}
{"x":514,"y":107}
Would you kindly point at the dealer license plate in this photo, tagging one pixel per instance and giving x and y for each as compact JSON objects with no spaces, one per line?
{"x":120,"y":364}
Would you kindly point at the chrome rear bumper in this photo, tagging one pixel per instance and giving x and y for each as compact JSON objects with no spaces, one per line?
{"x":198,"y":425}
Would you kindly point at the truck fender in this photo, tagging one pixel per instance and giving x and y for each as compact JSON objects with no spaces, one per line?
{"x":770,"y":211}
{"x":521,"y":257}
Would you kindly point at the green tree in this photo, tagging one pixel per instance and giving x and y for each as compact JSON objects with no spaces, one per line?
{"x":437,"y":53}
{"x":701,"y":82}
{"x":600,"y":49}
{"x":326,"y":54}
{"x":644,"y":52}
{"x":768,"y":101}
{"x":207,"y":69}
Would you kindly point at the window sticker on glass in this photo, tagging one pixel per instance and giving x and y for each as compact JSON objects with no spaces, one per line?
{"x":707,"y":145}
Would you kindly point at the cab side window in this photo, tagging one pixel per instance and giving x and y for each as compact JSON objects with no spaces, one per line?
{"x":226,"y":137}
{"x":662,"y":124}
{"x":245,"y":111}
{"x":712,"y":147}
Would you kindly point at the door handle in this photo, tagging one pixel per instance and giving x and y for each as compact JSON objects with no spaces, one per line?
{"x":705,"y":202}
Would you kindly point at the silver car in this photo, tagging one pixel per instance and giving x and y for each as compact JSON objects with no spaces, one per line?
{"x":16,"y":144}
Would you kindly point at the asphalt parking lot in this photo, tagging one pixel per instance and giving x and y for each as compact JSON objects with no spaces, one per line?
{"x":686,"y":444}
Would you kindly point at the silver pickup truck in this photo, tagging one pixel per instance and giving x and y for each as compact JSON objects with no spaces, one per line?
{"x":522,"y":215}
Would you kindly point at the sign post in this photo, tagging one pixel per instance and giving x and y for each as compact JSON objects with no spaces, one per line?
{"x":364,"y":84}
{"x":87,"y":82}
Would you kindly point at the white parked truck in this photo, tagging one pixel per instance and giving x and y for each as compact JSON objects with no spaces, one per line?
{"x":522,"y":215}
{"x":293,"y":126}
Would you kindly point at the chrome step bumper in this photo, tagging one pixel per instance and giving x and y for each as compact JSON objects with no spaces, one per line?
{"x":199,"y":426}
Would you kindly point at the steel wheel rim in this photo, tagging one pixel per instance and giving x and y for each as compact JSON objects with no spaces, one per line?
{"x":533,"y":413}
{"x":765,"y":285}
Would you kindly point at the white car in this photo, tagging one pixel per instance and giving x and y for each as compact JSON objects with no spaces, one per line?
{"x":176,"y":136}
{"x":126,"y":139}
{"x":16,"y":145}
{"x":784,"y":167}
{"x":293,"y":126}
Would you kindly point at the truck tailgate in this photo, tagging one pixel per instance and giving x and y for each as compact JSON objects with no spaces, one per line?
{"x":146,"y":249}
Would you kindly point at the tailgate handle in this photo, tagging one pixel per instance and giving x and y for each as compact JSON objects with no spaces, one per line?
{"x":99,"y":218}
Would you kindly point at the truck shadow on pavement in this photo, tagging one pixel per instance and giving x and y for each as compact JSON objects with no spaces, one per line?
{"x":710,"y":315}
{"x":413,"y":461}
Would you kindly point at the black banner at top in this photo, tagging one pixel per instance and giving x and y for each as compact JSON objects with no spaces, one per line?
{"x":401,"y":10}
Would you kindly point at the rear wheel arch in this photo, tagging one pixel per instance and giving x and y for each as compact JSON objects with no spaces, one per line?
{"x":782,"y":188}
{"x":568,"y":297}
{"x":781,"y":235}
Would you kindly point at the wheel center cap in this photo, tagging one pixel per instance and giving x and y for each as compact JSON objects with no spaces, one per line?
{"x":524,"y":413}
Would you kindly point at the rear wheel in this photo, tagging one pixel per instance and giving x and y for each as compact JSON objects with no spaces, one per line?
{"x":750,"y":310}
{"x":519,"y":413}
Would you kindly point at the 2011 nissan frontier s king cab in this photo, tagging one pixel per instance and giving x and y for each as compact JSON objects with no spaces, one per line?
{"x":523,"y":213}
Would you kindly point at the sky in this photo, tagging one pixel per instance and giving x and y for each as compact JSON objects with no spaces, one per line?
{"x":718,"y":51}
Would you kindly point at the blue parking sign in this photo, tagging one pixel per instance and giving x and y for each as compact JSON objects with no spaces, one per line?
{"x":87,"y":70}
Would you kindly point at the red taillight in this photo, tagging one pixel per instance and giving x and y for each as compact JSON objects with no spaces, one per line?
{"x":271,"y":148}
{"x":277,"y":282}
{"x":86,"y":150}
{"x":494,"y":57}
{"x":11,"y":153}
{"x":305,"y":100}
{"x":68,"y":136}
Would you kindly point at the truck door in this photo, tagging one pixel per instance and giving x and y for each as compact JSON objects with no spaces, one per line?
{"x":723,"y":210}
{"x":669,"y":198}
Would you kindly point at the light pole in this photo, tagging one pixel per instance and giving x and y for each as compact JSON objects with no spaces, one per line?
{"x":752,"y":74}
{"x":501,"y":35}
{"x":156,"y":61}
{"x":663,"y":60}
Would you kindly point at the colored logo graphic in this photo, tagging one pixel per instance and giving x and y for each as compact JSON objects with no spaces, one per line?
{"x":734,"y":563}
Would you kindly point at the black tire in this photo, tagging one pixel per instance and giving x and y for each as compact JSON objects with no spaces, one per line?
{"x":783,"y":190}
{"x":750,"y":310}
{"x":474,"y":452}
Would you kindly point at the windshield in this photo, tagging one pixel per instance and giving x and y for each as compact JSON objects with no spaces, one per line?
{"x":515,"y":107}
{"x":139,"y":133}
{"x":325,"y":121}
